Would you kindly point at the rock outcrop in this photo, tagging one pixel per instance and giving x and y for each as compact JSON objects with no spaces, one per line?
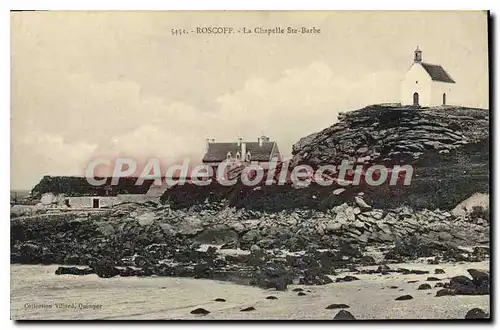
{"x":79,"y":186}
{"x":448,"y":148}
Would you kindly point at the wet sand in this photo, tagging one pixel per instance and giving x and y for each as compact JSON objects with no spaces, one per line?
{"x":90,"y":297}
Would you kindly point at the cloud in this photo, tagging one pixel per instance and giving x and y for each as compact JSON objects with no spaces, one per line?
{"x":302,"y":101}
{"x":154,"y":141}
{"x":39,"y":154}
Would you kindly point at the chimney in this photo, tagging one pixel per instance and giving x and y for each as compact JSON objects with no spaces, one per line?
{"x":262,"y":139}
{"x":208,"y":144}
{"x":243,"y":150}
{"x":239,"y":141}
{"x":212,"y":141}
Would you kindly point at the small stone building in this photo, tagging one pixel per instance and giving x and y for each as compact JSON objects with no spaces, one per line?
{"x":78,"y":193}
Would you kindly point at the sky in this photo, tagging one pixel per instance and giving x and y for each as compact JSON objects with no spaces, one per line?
{"x":109,"y":84}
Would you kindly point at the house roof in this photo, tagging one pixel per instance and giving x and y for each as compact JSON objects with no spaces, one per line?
{"x":437,"y":73}
{"x":217,"y":152}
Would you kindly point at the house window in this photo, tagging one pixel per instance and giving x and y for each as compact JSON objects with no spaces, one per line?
{"x":416,"y":82}
{"x":228,"y":156}
{"x":248,"y":156}
{"x":444,"y":98}
{"x":238,"y":155}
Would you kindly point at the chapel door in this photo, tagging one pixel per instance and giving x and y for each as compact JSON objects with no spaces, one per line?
{"x":415,"y":99}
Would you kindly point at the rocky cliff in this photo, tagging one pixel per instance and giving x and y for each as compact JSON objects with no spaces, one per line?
{"x":380,"y":134}
{"x":448,"y":148}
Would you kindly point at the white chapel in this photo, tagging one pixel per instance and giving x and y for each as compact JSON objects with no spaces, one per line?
{"x":425,"y":84}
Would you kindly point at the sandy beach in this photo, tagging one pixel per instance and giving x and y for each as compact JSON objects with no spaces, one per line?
{"x":37,"y":293}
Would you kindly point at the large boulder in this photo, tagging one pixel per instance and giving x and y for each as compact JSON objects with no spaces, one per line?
{"x":106,"y":271}
{"x":21,"y":210}
{"x":74,"y":271}
{"x":479,"y":276}
{"x":462,"y":285}
{"x":146,"y":219}
{"x":477,"y":203}
{"x":476,"y":313}
{"x":451,"y":143}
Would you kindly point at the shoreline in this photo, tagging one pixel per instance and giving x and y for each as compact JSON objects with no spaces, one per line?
{"x":174,"y":298}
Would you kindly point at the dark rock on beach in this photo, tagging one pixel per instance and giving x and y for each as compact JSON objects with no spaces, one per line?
{"x":433,"y":279}
{"x":463,"y":285}
{"x":200,"y":311}
{"x":128,"y":271}
{"x":248,"y":309}
{"x":106,"y":271}
{"x":424,"y":286}
{"x":272,"y":277}
{"x":479,"y":277}
{"x":347,"y":278}
{"x":74,"y":271}
{"x":315,"y":279}
{"x":336,"y":306}
{"x":476,"y":313}
{"x":344,"y":315}
{"x":383,"y":269}
{"x":445,"y":292}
